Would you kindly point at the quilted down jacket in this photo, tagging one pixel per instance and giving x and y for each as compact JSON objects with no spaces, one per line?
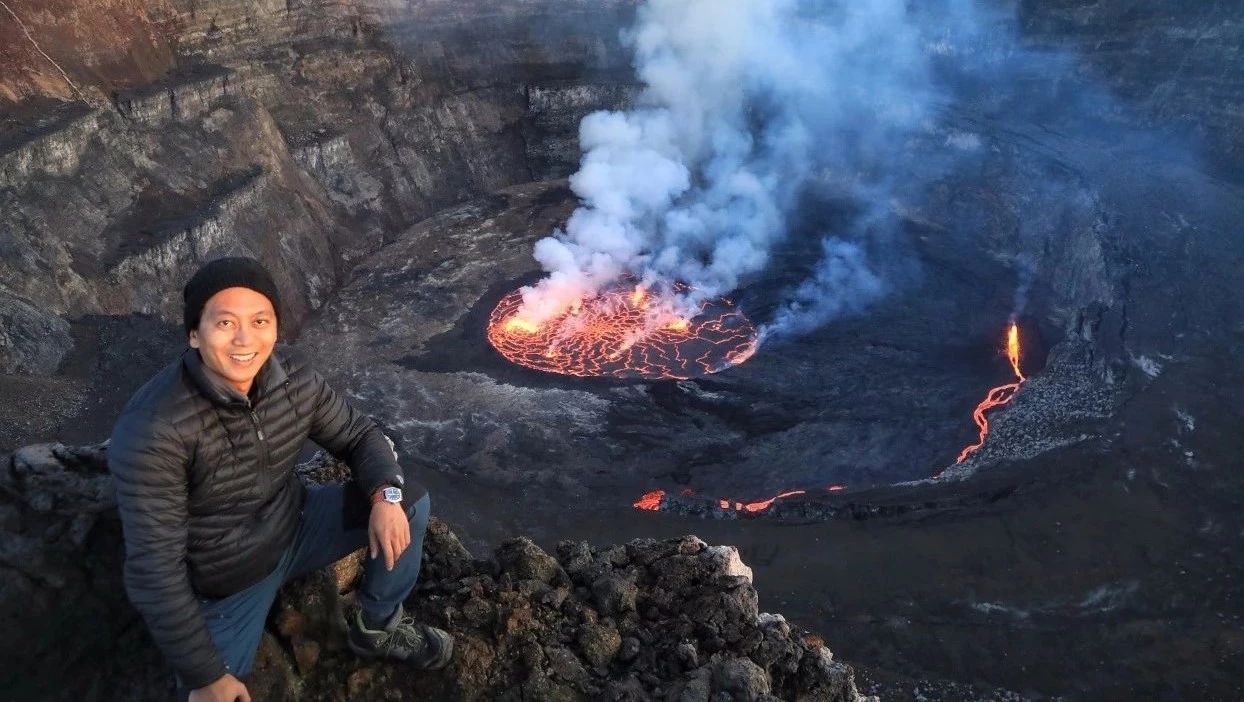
{"x":207,"y":493}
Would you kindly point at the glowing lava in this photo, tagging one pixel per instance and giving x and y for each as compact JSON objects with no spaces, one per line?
{"x":651,"y":501}
{"x":624,"y":333}
{"x":998,"y":396}
{"x":759,"y":505}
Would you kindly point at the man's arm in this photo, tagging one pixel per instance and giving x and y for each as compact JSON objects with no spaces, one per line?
{"x":351,"y":436}
{"x":148,"y":459}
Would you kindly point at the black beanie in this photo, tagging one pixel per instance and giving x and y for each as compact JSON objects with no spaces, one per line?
{"x":235,"y":272}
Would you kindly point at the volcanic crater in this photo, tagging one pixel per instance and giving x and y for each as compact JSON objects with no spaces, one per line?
{"x":396,"y":167}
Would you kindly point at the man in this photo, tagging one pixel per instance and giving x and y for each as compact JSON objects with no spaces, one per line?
{"x":215,"y":520}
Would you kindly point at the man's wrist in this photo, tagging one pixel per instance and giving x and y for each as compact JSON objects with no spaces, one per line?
{"x":386,"y":493}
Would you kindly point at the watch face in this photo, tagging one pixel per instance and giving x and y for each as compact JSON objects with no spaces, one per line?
{"x":392,"y":494}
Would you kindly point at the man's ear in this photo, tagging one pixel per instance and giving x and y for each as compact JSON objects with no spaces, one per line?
{"x":194,"y":338}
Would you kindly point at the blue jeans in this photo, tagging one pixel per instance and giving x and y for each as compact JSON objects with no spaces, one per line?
{"x":329,"y":530}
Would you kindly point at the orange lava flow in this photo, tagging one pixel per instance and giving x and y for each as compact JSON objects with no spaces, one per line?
{"x":651,"y":501}
{"x":760,"y":505}
{"x":998,"y":396}
{"x":622,"y":333}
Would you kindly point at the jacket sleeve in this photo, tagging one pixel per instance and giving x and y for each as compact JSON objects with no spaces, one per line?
{"x":148,"y":459}
{"x":351,"y":436}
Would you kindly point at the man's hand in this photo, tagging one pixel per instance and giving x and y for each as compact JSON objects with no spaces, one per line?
{"x":388,"y":531}
{"x":226,"y":689}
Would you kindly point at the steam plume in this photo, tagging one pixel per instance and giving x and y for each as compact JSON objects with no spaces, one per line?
{"x":745,"y":102}
{"x":842,"y":283}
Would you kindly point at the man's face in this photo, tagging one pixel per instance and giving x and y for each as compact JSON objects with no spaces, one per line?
{"x":235,"y":335}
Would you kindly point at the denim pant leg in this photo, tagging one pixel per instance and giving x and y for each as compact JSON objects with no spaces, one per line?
{"x":236,"y":622}
{"x":334,"y":524}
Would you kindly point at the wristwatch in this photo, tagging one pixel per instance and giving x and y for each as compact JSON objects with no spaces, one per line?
{"x":387,"y":493}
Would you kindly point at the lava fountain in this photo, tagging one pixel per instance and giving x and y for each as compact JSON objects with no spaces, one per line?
{"x":998,"y":396}
{"x":625,"y":332}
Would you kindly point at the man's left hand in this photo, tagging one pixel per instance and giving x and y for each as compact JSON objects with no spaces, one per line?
{"x":388,"y":531}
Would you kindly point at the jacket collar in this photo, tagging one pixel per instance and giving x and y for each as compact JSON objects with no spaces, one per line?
{"x":271,"y":375}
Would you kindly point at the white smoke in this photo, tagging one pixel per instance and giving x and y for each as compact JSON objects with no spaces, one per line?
{"x":842,"y":284}
{"x":745,"y":102}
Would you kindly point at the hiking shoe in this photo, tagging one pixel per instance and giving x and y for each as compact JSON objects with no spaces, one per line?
{"x":424,"y":647}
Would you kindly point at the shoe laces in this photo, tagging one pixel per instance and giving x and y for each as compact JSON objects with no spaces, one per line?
{"x":407,"y":634}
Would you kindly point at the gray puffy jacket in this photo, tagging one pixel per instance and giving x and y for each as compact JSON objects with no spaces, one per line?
{"x":207,"y":493}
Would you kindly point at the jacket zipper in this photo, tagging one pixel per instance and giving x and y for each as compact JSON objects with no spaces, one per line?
{"x":255,"y":421}
{"x":263,"y":445}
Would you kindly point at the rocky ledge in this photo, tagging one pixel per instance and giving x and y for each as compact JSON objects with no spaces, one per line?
{"x":676,"y":619}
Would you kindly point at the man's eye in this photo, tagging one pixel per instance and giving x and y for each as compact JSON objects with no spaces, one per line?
{"x":224,"y":323}
{"x":261,"y":322}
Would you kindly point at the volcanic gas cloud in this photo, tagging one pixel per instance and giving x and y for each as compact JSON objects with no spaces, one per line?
{"x":624,"y":332}
{"x":745,"y":106}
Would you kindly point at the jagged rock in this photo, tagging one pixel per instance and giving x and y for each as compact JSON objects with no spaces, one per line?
{"x":60,"y":568}
{"x":614,"y":594}
{"x":517,"y":628}
{"x":31,"y":341}
{"x":54,"y":478}
{"x":629,"y":649}
{"x":687,"y":656}
{"x":599,"y":644}
{"x":741,"y":678}
{"x":525,"y":561}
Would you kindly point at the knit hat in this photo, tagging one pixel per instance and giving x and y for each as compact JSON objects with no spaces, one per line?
{"x":235,"y":272}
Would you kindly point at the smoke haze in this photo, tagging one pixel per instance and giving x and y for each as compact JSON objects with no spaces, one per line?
{"x":749,"y":104}
{"x":744,"y":102}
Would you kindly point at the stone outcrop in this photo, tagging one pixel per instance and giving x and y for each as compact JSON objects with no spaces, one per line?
{"x":60,"y":581}
{"x":650,"y":619}
{"x":31,"y":341}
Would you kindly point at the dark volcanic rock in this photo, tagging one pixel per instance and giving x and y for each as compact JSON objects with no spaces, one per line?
{"x":523,"y":628}
{"x":31,"y":341}
{"x":60,"y":581}
{"x":523,"y":560}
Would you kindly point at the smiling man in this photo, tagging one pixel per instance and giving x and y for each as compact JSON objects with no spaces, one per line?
{"x":216,"y":521}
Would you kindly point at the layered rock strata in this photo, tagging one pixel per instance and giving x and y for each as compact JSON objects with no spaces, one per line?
{"x":299,"y":133}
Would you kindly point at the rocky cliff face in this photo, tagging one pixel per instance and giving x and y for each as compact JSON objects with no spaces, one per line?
{"x":69,"y":50}
{"x":293,"y":132}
